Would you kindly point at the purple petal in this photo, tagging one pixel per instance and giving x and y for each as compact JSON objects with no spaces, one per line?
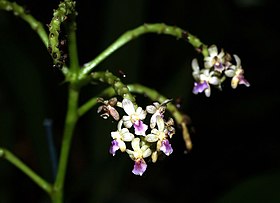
{"x":219,"y":67}
{"x":114,"y":147}
{"x":243,"y":81}
{"x":200,"y":87}
{"x":140,"y":128}
{"x":140,"y":167}
{"x":166,"y":147}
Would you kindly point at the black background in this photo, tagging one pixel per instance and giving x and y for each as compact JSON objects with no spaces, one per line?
{"x":235,"y":133}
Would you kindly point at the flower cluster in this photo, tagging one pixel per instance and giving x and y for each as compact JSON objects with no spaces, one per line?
{"x":136,"y":138}
{"x":217,"y":66}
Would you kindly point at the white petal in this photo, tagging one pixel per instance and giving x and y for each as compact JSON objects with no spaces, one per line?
{"x":214,"y":81}
{"x":141,"y":113}
{"x":213,"y":50}
{"x":160,"y":123}
{"x":229,"y":73}
{"x":147,"y":153}
{"x":151,"y":138}
{"x":120,"y":124}
{"x":127,"y":136}
{"x":237,"y":59}
{"x":208,"y":63}
{"x":195,"y":65}
{"x":115,"y":135}
{"x":153,"y":121}
{"x":207,"y":92}
{"x":221,"y":54}
{"x":128,"y":106}
{"x":151,"y":109}
{"x":127,"y":122}
{"x":135,"y":143}
{"x":122,"y":145}
{"x":130,"y":153}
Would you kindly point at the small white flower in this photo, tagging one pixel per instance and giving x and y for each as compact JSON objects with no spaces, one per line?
{"x":159,"y":136}
{"x":236,"y":72}
{"x":204,"y":78}
{"x":214,"y":59}
{"x":156,"y":109}
{"x":122,"y":135}
{"x":134,"y":117}
{"x":140,"y":151}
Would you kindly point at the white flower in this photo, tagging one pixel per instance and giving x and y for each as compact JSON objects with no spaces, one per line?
{"x":204,"y":78}
{"x":140,"y":149}
{"x":159,"y":136}
{"x":214,"y":59}
{"x":138,"y":154}
{"x":156,"y":109}
{"x":122,"y":135}
{"x":134,"y":117}
{"x":236,"y":72}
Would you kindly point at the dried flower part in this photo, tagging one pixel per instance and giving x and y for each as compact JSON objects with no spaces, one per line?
{"x":108,"y":108}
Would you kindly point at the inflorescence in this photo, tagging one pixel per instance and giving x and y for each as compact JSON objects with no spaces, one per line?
{"x":217,"y":67}
{"x":133,"y":136}
{"x":141,"y":140}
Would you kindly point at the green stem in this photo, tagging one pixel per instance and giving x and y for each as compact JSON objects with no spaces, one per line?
{"x":19,"y":11}
{"x":70,"y":123}
{"x":73,"y":52}
{"x":6,"y":154}
{"x":116,"y":83}
{"x":158,"y":28}
{"x":65,"y":10}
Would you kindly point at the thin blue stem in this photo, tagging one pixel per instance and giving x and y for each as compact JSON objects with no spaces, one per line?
{"x":48,"y":124}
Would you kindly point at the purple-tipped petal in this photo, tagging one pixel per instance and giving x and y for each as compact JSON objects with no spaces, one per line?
{"x":140,"y":128}
{"x":140,"y":167}
{"x":114,"y":147}
{"x":199,"y":87}
{"x":166,"y":147}
{"x":219,"y":67}
{"x":243,"y":81}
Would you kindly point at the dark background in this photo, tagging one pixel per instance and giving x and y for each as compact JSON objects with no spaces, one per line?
{"x":235,"y":133}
